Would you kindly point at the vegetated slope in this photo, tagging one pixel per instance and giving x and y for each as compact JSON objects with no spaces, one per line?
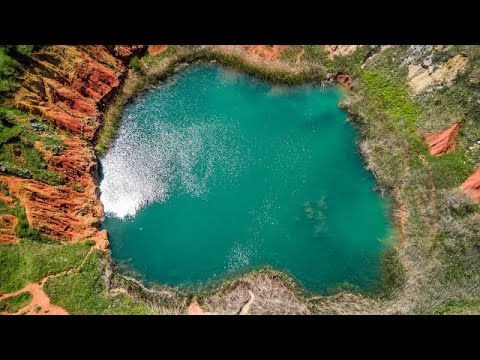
{"x":417,"y":107}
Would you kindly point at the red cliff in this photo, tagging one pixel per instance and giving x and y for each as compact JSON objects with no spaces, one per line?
{"x":156,"y":49}
{"x":444,"y":141}
{"x":69,"y":84}
{"x":471,"y":186}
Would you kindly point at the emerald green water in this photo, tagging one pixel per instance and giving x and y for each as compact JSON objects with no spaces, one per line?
{"x":216,"y":173}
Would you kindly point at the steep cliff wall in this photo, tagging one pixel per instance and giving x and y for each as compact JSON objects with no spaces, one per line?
{"x":69,"y":87}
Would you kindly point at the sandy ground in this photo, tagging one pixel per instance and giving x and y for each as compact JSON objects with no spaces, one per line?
{"x":195,"y":309}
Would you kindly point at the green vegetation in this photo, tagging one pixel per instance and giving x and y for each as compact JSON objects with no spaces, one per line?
{"x":29,"y":261}
{"x":9,"y":57}
{"x":84,"y":292}
{"x":14,"y":303}
{"x":458,"y":169}
{"x":78,"y":188}
{"x":388,"y":96}
{"x":23,"y":230}
{"x":460,"y":307}
{"x":18,"y":155}
{"x":394,"y":276}
{"x":150,"y":60}
{"x":8,"y":67}
{"x":134,"y":64}
{"x":291,"y":53}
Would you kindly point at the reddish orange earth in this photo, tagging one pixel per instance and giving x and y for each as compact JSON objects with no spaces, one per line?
{"x":444,"y":141}
{"x":156,"y":49}
{"x":471,"y":186}
{"x":8,"y":223}
{"x":344,"y":79}
{"x":269,"y":52}
{"x":195,"y":309}
{"x":40,"y":302}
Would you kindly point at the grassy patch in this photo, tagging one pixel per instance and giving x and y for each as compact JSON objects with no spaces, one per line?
{"x":458,"y":169}
{"x":18,"y":155}
{"x":29,"y":261}
{"x":8,"y":67}
{"x":290,"y":53}
{"x":14,"y":303}
{"x":460,"y":307}
{"x":149,"y":60}
{"x":393,"y":273}
{"x":84,"y":292}
{"x":391,"y":97}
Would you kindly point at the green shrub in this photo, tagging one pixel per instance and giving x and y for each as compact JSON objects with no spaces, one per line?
{"x":135,"y":64}
{"x":393,"y":272}
{"x":89,"y":242}
{"x":78,"y":188}
{"x":14,"y":303}
{"x":8,"y":67}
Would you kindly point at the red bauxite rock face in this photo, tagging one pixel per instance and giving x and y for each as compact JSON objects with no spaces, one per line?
{"x":344,"y":80}
{"x":156,"y":49}
{"x":126,"y":52}
{"x":68,"y":85}
{"x":57,"y":211}
{"x":471,"y":186}
{"x":7,"y":228}
{"x":443,"y":142}
{"x":76,"y":164}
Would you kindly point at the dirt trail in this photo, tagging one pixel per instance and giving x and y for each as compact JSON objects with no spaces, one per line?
{"x":39,"y":298}
{"x":195,"y":309}
{"x":245,"y":310}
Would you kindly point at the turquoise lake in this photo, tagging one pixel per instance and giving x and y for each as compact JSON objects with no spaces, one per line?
{"x":215,"y":173}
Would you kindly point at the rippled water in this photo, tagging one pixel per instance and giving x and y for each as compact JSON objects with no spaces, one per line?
{"x":215,"y":173}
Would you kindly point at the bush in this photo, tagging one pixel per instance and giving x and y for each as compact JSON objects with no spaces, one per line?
{"x":8,"y":67}
{"x":89,"y":242}
{"x":15,"y":303}
{"x":135,"y":64}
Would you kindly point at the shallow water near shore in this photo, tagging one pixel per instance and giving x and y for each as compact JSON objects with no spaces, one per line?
{"x":216,"y":173}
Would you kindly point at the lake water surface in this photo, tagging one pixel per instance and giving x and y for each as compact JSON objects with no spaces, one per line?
{"x":216,"y":173}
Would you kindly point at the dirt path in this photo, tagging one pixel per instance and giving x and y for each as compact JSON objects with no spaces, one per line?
{"x":246,"y":308}
{"x":195,"y":309}
{"x":40,"y":303}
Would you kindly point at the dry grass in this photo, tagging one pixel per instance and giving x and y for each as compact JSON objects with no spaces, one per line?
{"x":274,"y":294}
{"x":346,"y":304}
